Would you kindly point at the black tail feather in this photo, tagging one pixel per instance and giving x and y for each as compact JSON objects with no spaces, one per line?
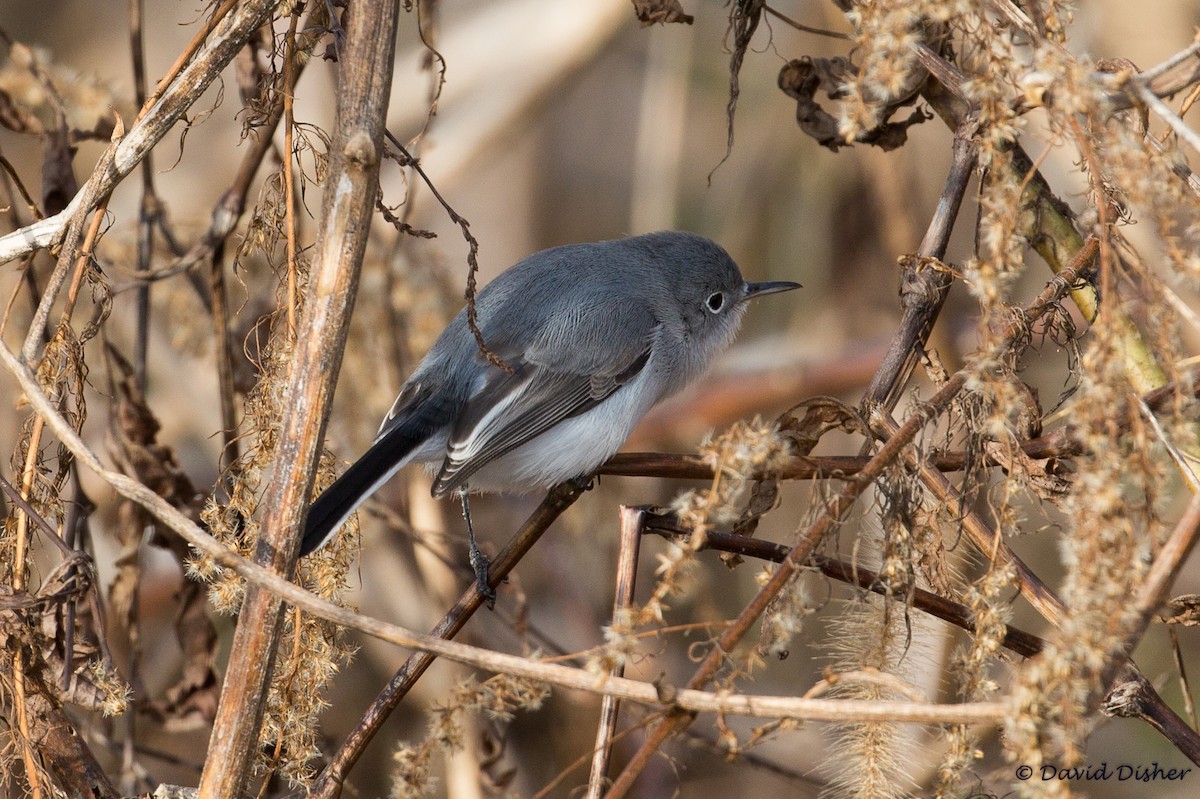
{"x":335,"y":505}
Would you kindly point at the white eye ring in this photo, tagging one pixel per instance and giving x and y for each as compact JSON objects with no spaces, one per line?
{"x":715,"y":302}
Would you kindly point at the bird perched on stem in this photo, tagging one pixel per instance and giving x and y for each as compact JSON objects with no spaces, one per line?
{"x":590,"y":336}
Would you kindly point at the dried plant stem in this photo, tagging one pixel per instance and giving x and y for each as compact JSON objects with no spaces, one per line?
{"x":682,"y":466}
{"x":923,"y":287}
{"x":547,"y":790}
{"x":68,"y":255}
{"x":349,"y":202}
{"x":289,"y":159}
{"x":471,"y":290}
{"x":32,"y":772}
{"x":29,"y":472}
{"x":28,"y":476}
{"x":1019,"y":641}
{"x":627,"y":560}
{"x":149,"y":208}
{"x":223,"y":356}
{"x":1185,"y":686}
{"x":218,"y":16}
{"x":1134,"y":696}
{"x":1164,"y":112}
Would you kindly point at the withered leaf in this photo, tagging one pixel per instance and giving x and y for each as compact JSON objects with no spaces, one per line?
{"x":1183,"y":610}
{"x":650,"y":12}
{"x":802,"y":78}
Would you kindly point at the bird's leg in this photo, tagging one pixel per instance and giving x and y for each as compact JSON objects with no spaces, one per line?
{"x":479,"y":561}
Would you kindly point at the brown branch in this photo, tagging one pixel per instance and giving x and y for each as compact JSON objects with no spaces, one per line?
{"x":678,"y":466}
{"x":806,"y":28}
{"x":923,"y":285}
{"x":289,"y":163}
{"x":1019,"y":641}
{"x":471,"y":290}
{"x":1134,"y":697}
{"x":150,"y":207}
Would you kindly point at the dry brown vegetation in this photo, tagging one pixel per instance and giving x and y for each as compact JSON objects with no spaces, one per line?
{"x":932,"y":542}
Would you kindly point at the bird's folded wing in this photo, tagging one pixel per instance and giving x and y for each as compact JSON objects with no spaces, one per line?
{"x":513,"y":408}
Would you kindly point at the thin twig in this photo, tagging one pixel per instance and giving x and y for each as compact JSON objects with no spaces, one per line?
{"x":1019,"y":641}
{"x":1153,"y":591}
{"x":1165,"y":66}
{"x":627,"y":561}
{"x":923,"y":287}
{"x":289,"y":165}
{"x":1164,"y":111}
{"x":472,"y":257}
{"x":806,"y":28}
{"x":148,"y":209}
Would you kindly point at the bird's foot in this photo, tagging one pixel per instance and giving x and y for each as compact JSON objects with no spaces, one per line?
{"x":479,"y":561}
{"x":480,"y":564}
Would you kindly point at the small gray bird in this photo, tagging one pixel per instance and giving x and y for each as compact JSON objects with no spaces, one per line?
{"x":595,"y":335}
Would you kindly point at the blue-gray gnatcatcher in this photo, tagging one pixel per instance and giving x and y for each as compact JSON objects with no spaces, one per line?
{"x":594,"y":334}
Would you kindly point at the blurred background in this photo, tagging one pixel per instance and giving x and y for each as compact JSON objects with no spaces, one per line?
{"x":566,"y":122}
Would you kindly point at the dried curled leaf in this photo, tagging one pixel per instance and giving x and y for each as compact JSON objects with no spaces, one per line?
{"x":804,"y":424}
{"x":802,"y":78}
{"x":1183,"y":610}
{"x":650,"y":12}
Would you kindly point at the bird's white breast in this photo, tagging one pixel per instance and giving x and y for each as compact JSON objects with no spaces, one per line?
{"x":576,"y":446}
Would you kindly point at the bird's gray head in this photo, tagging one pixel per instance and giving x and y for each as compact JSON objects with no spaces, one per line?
{"x":709,"y":288}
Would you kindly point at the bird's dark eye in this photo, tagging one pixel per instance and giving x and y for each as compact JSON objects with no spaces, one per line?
{"x":715,"y":301}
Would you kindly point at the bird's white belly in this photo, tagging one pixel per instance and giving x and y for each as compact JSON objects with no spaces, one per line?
{"x":572,"y":448}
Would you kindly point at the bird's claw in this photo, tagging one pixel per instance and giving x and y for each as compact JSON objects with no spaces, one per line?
{"x":480,"y":564}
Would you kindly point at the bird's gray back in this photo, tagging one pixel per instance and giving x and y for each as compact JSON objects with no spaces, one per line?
{"x":582,"y":308}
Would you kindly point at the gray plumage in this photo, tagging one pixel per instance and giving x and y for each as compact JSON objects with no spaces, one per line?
{"x":596,"y":334}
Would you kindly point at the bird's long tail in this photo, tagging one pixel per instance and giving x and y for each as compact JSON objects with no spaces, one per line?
{"x":386,"y":456}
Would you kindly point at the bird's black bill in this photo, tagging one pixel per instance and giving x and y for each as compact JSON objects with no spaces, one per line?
{"x":771,"y":287}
